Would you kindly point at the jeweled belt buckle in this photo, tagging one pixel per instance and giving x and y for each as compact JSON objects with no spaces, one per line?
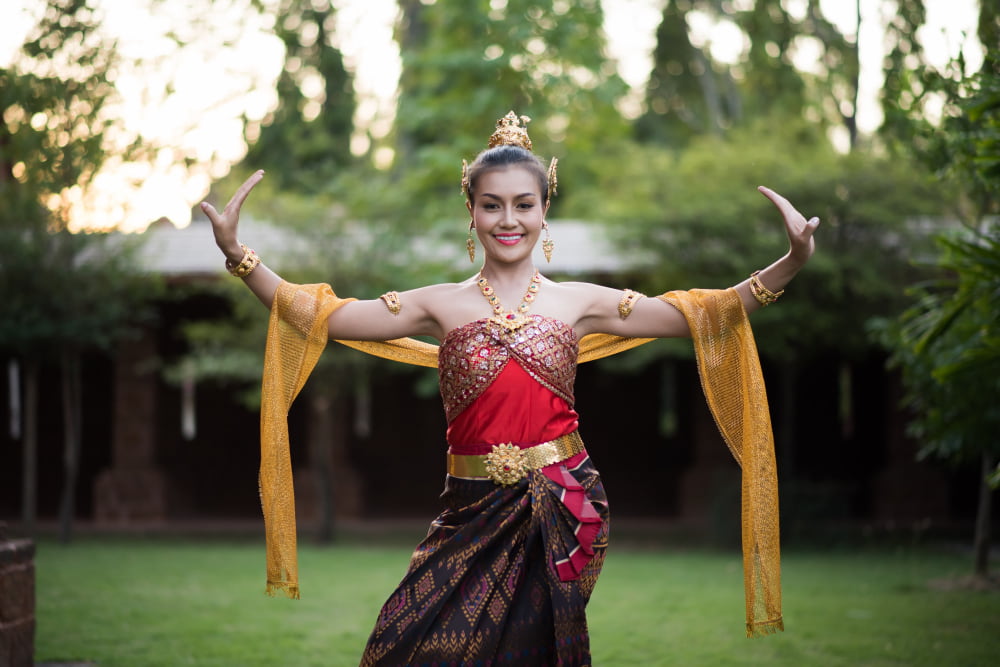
{"x":506,"y":464}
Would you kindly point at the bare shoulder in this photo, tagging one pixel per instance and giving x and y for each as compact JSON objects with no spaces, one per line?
{"x":449,"y":305}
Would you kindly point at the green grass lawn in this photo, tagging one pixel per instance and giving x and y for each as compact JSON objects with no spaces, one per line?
{"x":188,"y":602}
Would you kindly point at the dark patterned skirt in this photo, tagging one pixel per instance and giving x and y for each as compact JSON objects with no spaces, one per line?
{"x":491,"y":583}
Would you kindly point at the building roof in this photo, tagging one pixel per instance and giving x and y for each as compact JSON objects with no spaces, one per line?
{"x":580,"y":248}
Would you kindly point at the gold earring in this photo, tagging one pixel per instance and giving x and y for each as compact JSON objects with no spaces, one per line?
{"x":470,"y":244}
{"x":547,"y":245}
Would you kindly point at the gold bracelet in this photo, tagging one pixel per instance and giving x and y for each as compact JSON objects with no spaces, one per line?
{"x":628,"y":302}
{"x":246,"y":265}
{"x":764,"y":296}
{"x":392,"y":302}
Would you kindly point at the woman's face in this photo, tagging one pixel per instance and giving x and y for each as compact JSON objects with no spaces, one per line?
{"x":508,"y":212}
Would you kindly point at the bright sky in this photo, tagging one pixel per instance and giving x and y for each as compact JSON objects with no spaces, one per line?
{"x":215,"y":87}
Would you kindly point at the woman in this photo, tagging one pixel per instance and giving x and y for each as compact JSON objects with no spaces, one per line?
{"x":506,"y":570}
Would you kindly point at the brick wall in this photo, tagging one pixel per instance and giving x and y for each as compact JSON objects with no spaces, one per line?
{"x":17,"y":603}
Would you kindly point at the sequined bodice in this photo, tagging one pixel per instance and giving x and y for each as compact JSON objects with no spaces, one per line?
{"x":472,"y":356}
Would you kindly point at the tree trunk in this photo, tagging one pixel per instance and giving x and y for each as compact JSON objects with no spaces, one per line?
{"x":72,"y":412}
{"x":981,"y":543}
{"x":29,"y":466}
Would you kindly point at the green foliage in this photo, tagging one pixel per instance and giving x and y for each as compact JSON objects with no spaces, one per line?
{"x":699,"y":219}
{"x":770,"y":78}
{"x":306,"y":140}
{"x":52,"y":100}
{"x":467,"y":64}
{"x":687,"y":94}
{"x":690,"y":93}
{"x":948,"y":342}
{"x":65,"y":290}
{"x":60,"y":289}
{"x":947,"y":345}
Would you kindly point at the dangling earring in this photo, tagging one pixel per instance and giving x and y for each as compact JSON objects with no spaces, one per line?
{"x":470,"y":244}
{"x":547,"y":245}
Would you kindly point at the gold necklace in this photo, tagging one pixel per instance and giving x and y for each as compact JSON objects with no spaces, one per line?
{"x":512,"y":319}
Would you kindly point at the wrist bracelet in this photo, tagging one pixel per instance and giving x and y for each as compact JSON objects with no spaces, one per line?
{"x":246,"y":265}
{"x":764,"y":296}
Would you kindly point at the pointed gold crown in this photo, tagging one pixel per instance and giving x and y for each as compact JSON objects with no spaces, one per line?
{"x":512,"y":130}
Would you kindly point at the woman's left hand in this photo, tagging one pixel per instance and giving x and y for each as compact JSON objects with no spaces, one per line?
{"x":800,"y":231}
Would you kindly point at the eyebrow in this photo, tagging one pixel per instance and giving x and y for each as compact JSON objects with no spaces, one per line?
{"x":523,"y":194}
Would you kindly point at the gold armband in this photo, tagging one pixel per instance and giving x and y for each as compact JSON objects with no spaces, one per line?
{"x":246,"y":265}
{"x":628,"y":300}
{"x":764,"y":296}
{"x":392,"y":302}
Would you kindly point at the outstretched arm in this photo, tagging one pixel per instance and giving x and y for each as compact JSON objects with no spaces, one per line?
{"x":652,"y":318}
{"x":358,"y":320}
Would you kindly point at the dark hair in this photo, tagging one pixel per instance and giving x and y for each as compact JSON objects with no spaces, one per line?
{"x":502,"y":157}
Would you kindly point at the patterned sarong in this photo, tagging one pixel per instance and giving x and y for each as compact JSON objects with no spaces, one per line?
{"x":484,"y":589}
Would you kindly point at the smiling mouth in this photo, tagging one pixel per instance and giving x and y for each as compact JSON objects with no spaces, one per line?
{"x":508,"y":239}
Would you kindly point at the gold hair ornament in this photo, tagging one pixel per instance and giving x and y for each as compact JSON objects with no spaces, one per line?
{"x":470,"y":243}
{"x":553,"y":180}
{"x":511,"y":132}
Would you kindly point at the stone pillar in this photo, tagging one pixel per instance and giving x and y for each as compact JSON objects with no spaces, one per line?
{"x":133,"y":489}
{"x":17,"y":603}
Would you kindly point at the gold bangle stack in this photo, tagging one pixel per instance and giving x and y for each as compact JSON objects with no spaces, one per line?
{"x":764,"y":296}
{"x":246,"y":265}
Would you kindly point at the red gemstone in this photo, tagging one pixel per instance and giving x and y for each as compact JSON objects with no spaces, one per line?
{"x":510,"y":316}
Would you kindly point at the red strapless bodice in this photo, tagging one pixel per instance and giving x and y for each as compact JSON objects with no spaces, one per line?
{"x":508,"y":386}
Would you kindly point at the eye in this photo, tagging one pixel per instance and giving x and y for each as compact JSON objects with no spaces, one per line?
{"x":526,"y":204}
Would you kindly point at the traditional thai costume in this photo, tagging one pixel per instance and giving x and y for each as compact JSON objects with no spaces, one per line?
{"x":506,"y":570}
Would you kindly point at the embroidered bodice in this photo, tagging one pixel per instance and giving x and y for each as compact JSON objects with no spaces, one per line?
{"x":472,"y":356}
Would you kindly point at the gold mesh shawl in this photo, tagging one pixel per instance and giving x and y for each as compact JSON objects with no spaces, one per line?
{"x":734,"y":389}
{"x":730,"y":375}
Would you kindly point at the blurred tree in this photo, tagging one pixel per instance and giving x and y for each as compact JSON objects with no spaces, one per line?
{"x":772,"y":84}
{"x":467,"y":64}
{"x":699,"y":221}
{"x":948,"y":343}
{"x":688,"y":93}
{"x":64,"y":293}
{"x":343,"y":218}
{"x":305,"y":141}
{"x":906,"y":74}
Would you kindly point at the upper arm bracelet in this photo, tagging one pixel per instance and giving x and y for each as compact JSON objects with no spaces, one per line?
{"x":628,"y":300}
{"x":392,"y":302}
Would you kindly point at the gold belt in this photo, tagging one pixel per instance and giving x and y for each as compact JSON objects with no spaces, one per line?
{"x":507,"y":464}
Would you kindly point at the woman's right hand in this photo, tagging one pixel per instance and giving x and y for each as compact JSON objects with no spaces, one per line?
{"x":224,"y":225}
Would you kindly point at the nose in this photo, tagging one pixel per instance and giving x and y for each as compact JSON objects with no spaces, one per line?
{"x":508,"y":217}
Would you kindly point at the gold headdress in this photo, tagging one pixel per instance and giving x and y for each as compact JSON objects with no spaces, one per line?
{"x":512,"y":130}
